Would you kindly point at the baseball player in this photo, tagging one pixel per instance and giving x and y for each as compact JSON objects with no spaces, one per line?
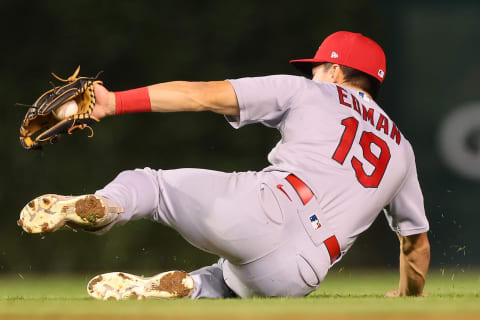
{"x":340,"y":162}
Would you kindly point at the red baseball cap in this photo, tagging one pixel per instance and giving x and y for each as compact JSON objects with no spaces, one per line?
{"x":348,"y":49}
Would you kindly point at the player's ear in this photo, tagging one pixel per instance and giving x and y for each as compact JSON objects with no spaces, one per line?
{"x":336,"y":74}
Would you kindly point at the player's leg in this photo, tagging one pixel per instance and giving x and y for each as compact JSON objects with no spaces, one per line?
{"x":206,"y":282}
{"x":209,"y":282}
{"x":215,"y":211}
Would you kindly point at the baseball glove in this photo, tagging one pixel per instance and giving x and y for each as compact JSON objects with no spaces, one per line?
{"x":40,"y":125}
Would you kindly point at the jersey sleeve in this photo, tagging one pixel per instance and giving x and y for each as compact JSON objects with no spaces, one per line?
{"x":406,"y":213}
{"x":264,"y":99}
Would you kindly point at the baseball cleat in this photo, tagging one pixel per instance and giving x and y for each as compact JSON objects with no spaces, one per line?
{"x":51,"y":212}
{"x":120,"y":286}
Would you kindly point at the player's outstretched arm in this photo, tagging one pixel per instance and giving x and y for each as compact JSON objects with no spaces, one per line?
{"x":215,"y":96}
{"x":414,"y":263}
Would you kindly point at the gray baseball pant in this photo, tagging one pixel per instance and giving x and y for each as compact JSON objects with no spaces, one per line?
{"x":244,"y":218}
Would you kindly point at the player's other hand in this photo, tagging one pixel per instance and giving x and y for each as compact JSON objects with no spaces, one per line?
{"x":104,"y":102}
{"x":396,"y":293}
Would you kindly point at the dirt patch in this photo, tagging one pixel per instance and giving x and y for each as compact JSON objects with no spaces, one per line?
{"x":172,"y":283}
{"x":46,"y":201}
{"x":90,"y":208}
{"x":94,"y":282}
{"x":122,"y":275}
{"x":31,"y":204}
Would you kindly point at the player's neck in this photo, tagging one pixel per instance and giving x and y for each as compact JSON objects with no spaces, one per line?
{"x":321,"y":74}
{"x":348,"y":85}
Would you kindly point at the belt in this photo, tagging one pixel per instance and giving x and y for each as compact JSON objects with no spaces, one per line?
{"x":305,"y":194}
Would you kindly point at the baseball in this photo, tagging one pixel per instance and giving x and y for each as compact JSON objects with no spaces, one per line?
{"x":65,"y":110}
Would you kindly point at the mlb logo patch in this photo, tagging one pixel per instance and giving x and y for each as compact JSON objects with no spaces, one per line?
{"x":314,"y":222}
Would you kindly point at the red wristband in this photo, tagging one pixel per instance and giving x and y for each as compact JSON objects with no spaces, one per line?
{"x":130,"y":101}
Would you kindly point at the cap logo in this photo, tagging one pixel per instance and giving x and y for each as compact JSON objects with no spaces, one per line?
{"x":334,"y":55}
{"x":381,"y":73}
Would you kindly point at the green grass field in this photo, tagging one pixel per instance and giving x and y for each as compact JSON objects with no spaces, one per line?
{"x":343,"y":295}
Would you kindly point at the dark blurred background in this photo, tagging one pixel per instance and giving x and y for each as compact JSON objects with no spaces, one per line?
{"x":431,"y":91}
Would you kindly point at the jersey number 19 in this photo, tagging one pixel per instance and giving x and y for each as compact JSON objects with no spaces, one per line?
{"x":379,"y":162}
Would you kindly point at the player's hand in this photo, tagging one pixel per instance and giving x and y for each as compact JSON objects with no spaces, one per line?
{"x":104,"y":102}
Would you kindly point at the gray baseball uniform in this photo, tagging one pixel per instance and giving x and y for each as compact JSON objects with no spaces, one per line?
{"x":272,"y":238}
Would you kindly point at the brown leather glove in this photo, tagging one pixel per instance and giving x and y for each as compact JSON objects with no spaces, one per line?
{"x":40,"y":126}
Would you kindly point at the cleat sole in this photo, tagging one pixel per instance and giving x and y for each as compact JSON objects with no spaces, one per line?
{"x":121,"y":286}
{"x":51,"y":212}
